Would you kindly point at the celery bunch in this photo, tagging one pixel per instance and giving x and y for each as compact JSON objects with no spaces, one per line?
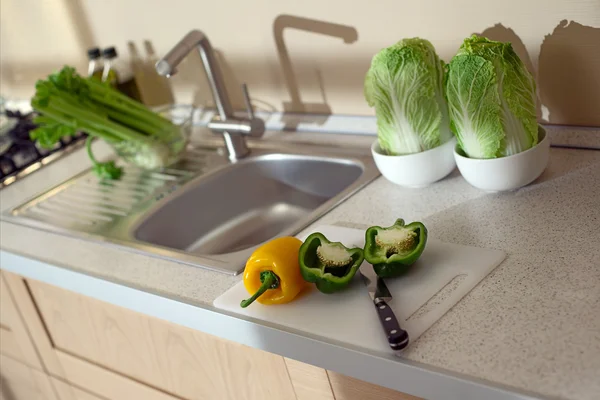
{"x":69,"y":103}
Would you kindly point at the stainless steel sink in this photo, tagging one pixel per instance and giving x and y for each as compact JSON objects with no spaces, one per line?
{"x":204,"y":211}
{"x":247,"y":203}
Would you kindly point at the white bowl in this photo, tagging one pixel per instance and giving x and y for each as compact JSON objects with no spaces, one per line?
{"x":418,"y":169}
{"x":505,"y":173}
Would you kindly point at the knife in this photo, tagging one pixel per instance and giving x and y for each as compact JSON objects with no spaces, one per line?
{"x":397,"y":337}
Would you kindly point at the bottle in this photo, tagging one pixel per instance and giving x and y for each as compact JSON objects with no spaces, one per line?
{"x":118,"y":75}
{"x":94,"y":63}
{"x":109,"y":73}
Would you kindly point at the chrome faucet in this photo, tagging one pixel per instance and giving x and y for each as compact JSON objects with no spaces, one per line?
{"x":233,"y":129}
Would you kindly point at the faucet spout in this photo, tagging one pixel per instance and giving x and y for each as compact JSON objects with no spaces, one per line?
{"x":233,"y":129}
{"x":167,"y":66}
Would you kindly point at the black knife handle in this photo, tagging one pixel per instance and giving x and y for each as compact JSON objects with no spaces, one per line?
{"x":397,"y":337}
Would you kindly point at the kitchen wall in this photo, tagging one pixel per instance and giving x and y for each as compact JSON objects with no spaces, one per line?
{"x":310,"y":55}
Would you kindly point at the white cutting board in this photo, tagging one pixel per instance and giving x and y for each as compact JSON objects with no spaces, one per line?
{"x":349,"y":316}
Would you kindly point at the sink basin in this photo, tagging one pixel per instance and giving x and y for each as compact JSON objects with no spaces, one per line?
{"x":247,"y":203}
{"x":204,"y":211}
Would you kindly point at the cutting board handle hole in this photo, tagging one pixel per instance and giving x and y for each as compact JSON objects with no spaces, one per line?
{"x":439,"y":297}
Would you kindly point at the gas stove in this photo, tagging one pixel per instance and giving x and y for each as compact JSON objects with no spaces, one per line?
{"x":19,"y":155}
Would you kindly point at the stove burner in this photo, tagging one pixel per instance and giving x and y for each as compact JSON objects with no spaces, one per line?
{"x":7,"y":166}
{"x":19,"y":151}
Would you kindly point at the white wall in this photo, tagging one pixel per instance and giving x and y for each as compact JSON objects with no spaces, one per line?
{"x":329,"y":73}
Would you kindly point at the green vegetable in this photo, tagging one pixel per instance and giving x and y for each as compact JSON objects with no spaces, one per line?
{"x":69,"y":103}
{"x":405,"y":85}
{"x":491,"y":99}
{"x":391,"y":250}
{"x":107,"y":170}
{"x":330,"y":265}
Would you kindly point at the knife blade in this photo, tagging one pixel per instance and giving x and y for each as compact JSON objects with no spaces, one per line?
{"x":380,"y":294}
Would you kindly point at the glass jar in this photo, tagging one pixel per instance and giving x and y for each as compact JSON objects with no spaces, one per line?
{"x":156,"y":154}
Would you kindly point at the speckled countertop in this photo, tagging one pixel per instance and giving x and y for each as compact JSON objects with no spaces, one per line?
{"x":532,"y":324}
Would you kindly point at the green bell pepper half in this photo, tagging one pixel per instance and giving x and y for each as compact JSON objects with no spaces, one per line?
{"x":329,"y":265}
{"x":393,"y":249}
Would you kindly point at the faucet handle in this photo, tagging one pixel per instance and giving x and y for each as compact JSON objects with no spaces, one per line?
{"x":252,"y":126}
{"x":249,"y":108}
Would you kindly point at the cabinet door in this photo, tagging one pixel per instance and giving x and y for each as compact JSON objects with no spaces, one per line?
{"x":163,"y":359}
{"x":346,"y":388}
{"x":18,"y":381}
{"x":310,"y":382}
{"x":104,"y":383}
{"x":15,"y":340}
{"x":314,"y":383}
{"x":174,"y":359}
{"x":65,"y":391}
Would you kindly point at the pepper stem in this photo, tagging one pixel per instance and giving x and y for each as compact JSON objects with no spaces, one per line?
{"x":269,"y":281}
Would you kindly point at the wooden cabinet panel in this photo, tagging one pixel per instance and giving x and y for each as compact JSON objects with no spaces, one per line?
{"x":9,"y":344}
{"x":15,"y":340}
{"x":106,"y":383}
{"x":199,"y":366}
{"x":31,"y":324}
{"x":107,"y":335}
{"x":166,"y":361}
{"x":5,"y":305}
{"x":67,"y":392}
{"x":172,"y":358}
{"x":310,"y":382}
{"x":346,"y":388}
{"x":21,"y":382}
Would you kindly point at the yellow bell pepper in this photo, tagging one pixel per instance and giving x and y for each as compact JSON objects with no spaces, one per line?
{"x":272,"y":273}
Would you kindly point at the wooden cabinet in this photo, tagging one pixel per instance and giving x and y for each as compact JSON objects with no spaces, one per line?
{"x":346,"y":388}
{"x":310,"y":382}
{"x":94,"y":351}
{"x":15,"y":340}
{"x":106,"y":383}
{"x":177,"y":360}
{"x":65,"y":391}
{"x":19,"y":381}
{"x":314,"y":383}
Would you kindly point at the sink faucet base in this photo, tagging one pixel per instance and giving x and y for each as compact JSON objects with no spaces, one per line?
{"x":236,"y":146}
